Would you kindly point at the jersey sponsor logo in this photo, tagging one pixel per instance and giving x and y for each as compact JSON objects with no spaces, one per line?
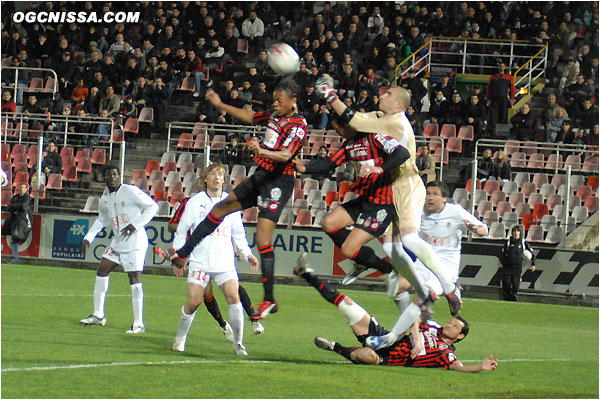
{"x":271,"y":137}
{"x":275,"y":194}
{"x":293,"y":132}
{"x":381,"y":215}
{"x":119,"y":219}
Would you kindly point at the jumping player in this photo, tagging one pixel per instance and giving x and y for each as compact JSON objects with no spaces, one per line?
{"x":442,"y":226}
{"x":373,"y":211}
{"x":409,"y":197}
{"x":214,"y":190}
{"x":432,"y":346}
{"x":126,"y":209}
{"x":213,"y":259}
{"x":269,"y":187}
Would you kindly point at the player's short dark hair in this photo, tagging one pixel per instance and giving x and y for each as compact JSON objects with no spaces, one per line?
{"x":465,"y":329}
{"x":441,"y":185}
{"x":289,"y":86}
{"x":110,"y":167}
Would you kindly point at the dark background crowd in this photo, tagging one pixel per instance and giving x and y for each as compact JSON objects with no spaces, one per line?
{"x":117,"y":69}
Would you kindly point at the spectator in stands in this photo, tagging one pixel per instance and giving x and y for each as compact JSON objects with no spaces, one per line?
{"x":8,"y":78}
{"x":591,"y":71}
{"x":578,"y":137}
{"x":322,"y":155}
{"x":485,"y":168}
{"x":253,"y":29}
{"x":438,"y":110}
{"x":42,"y":49}
{"x":32,"y":107}
{"x":501,"y":92}
{"x":129,"y":76}
{"x":317,"y":117}
{"x":512,"y":263}
{"x":569,"y":76}
{"x":522,"y":124}
{"x":118,"y":46}
{"x":413,"y":118}
{"x":110,"y":102}
{"x":92,"y":66}
{"x":165,"y":73}
{"x":193,"y":66}
{"x":51,"y":161}
{"x":80,"y":92}
{"x":7,"y":104}
{"x":214,"y":56}
{"x":554,"y":124}
{"x":348,"y":82}
{"x":501,"y":168}
{"x":551,"y":107}
{"x":128,"y":109}
{"x":81,"y":129}
{"x":416,"y":87}
{"x":576,"y":94}
{"x":92,"y":102}
{"x":160,"y":99}
{"x":475,"y":115}
{"x":364,"y":101}
{"x":456,"y":112}
{"x":235,"y":153}
{"x":110,"y":71}
{"x":102,"y":130}
{"x":261,"y":99}
{"x":426,"y":165}
{"x":57,"y":104}
{"x":593,"y":138}
{"x":415,"y":41}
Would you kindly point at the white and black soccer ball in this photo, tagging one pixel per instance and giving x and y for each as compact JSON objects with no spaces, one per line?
{"x":527,"y":255}
{"x":283,"y":59}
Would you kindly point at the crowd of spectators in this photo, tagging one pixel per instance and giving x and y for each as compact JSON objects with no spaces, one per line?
{"x":116,"y":69}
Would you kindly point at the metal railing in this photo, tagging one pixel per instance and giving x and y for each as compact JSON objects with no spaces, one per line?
{"x":28,"y":89}
{"x":456,"y":53}
{"x":559,"y":166}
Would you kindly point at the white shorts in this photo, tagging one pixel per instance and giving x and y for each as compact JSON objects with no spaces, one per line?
{"x":428,"y":278}
{"x":132,"y":261}
{"x":198,"y":277}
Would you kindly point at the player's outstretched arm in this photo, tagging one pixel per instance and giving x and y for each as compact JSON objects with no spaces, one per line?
{"x":488,"y":364}
{"x":239,"y":113}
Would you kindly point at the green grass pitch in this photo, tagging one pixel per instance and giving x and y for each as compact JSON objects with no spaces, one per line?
{"x":545,"y":351}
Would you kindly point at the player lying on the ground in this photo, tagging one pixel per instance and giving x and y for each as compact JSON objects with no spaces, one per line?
{"x":213,"y":258}
{"x":214,"y":190}
{"x":433,"y":345}
{"x":125,"y":209}
{"x":373,"y":211}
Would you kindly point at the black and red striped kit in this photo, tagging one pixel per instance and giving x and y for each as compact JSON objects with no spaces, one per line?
{"x":438,"y":354}
{"x":372,"y":149}
{"x":179,"y":212}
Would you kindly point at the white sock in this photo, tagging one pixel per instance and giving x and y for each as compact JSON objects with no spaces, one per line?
{"x":402,"y":301}
{"x":408,"y":317}
{"x":236,"y":318}
{"x":185,"y":321}
{"x":425,"y":253}
{"x":353,"y":312}
{"x":137,"y":300}
{"x":407,"y":268}
{"x":100,"y":289}
{"x":387,"y":248}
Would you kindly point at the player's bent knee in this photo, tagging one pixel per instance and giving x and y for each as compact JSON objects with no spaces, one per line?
{"x":365,"y":355}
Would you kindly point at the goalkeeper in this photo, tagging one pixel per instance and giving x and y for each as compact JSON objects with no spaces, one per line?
{"x":212,"y":259}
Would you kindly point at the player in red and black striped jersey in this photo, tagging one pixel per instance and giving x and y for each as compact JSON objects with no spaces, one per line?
{"x":209,"y":299}
{"x":376,"y":155}
{"x":428,"y":346}
{"x":270,"y":186}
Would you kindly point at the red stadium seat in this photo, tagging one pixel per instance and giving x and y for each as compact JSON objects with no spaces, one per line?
{"x":540,"y":210}
{"x":593,"y":182}
{"x":469,"y":184}
{"x":99,"y":156}
{"x":528,"y":220}
{"x":431,"y":130}
{"x":151,"y":166}
{"x":304,"y":218}
{"x":448,"y":131}
{"x":592,"y":204}
{"x":186,"y":141}
{"x":132,"y":125}
{"x":466,"y":133}
{"x":54,"y":182}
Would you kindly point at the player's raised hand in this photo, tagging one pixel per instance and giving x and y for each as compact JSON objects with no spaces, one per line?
{"x":84,"y":246}
{"x":253,"y":262}
{"x":128,"y":231}
{"x":489,"y":364}
{"x":213,"y":97}
{"x":299,"y":165}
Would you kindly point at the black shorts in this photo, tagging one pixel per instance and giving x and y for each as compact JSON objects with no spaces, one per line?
{"x":267,"y":190}
{"x":371,"y":218}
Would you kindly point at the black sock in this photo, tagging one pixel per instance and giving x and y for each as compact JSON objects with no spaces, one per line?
{"x":366,"y":256}
{"x":206,"y":227}
{"x":213,"y":309}
{"x":267,"y":268}
{"x":328,"y":292}
{"x":338,"y":237}
{"x":344,"y":351}
{"x":246,"y":302}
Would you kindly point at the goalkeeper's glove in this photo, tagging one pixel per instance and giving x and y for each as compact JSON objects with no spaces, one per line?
{"x":170,"y":255}
{"x":325,"y":90}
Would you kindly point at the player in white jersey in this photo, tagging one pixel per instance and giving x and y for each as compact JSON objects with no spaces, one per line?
{"x":442,"y":226}
{"x":125,"y":209}
{"x":213,"y":259}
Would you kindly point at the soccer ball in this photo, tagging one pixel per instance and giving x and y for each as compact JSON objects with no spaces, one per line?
{"x":527,"y":255}
{"x":283,"y":59}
